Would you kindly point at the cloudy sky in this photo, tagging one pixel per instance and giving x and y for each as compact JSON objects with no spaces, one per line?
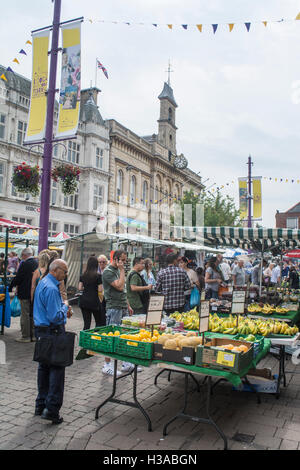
{"x":238,"y":93}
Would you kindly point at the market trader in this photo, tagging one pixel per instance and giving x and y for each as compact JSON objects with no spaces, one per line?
{"x":50,"y":314}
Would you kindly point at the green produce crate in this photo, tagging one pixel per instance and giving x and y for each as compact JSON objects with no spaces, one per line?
{"x":132,"y":348}
{"x":210,"y":356}
{"x":258,"y":344}
{"x":91,"y":339}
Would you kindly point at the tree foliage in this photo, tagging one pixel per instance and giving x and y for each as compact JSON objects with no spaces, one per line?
{"x":219,"y":210}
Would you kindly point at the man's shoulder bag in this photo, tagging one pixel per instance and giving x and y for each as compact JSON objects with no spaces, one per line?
{"x":55,"y":350}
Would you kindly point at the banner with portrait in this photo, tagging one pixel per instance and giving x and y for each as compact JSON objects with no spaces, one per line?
{"x":243,"y":198}
{"x":257,"y":202}
{"x":36,"y":127}
{"x":69,"y":100}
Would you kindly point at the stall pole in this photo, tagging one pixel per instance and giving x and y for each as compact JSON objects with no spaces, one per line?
{"x":46,"y":176}
{"x":261,"y":272}
{"x":249,"y":192}
{"x":5,"y":279}
{"x":81,"y":254}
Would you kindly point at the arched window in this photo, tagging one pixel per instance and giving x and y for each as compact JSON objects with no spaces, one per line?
{"x":145,"y":194}
{"x":133,"y":190}
{"x":120,"y":181}
{"x":170,"y":114}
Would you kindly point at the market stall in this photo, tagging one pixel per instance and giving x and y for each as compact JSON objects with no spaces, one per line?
{"x":9,"y":226}
{"x":79,"y":248}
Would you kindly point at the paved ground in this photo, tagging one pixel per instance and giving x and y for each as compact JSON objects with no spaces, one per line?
{"x":274,"y":424}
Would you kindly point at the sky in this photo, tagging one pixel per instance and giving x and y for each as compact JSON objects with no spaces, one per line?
{"x":238,"y":93}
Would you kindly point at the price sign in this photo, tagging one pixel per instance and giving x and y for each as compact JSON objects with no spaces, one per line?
{"x":238,"y":301}
{"x":204,"y":317}
{"x":155,"y":310}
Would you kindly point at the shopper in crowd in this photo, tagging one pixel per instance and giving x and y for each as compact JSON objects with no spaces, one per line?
{"x":53,"y":255}
{"x":103,"y":263}
{"x":2,"y":263}
{"x":213,"y":279}
{"x":276,"y":275}
{"x":90,"y":284}
{"x":239,"y":274}
{"x":257,"y":271}
{"x":116,"y":301}
{"x":148,"y":272}
{"x":172,"y":282}
{"x":183,"y":263}
{"x":13,"y":263}
{"x":22,"y":281}
{"x":285,"y":270}
{"x":201,"y":278}
{"x":226,"y":270}
{"x":137,"y":289}
{"x":50,"y":315}
{"x":293,"y":278}
{"x":43,"y":261}
{"x":268,"y":274}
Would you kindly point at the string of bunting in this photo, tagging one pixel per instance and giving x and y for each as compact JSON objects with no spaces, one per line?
{"x":16,"y":60}
{"x":201,"y":27}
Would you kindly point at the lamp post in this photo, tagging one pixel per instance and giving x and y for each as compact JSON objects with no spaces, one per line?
{"x":48,"y":146}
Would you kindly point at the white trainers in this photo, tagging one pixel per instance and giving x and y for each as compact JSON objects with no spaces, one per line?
{"x":109,"y":370}
{"x":128,"y":367}
{"x":23,"y":340}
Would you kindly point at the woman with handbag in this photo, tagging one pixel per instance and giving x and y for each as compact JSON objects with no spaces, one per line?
{"x":183,"y":264}
{"x":90,"y":284}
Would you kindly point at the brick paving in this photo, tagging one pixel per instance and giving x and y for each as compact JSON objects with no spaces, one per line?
{"x":274,"y":424}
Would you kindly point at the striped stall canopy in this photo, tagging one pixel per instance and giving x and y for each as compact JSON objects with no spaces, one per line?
{"x":260,"y":239}
{"x":11,"y":224}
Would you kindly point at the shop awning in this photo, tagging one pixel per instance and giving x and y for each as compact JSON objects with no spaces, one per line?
{"x":11,"y":225}
{"x":260,"y":239}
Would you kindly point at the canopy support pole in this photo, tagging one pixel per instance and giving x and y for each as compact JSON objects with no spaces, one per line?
{"x":5,"y":279}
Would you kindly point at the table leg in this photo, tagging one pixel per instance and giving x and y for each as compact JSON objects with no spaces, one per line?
{"x":207,"y":420}
{"x":134,"y":404}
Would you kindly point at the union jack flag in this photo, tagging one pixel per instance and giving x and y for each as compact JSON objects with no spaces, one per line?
{"x":100,"y":66}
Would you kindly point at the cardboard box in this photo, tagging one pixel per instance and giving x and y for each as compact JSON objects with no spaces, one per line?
{"x":186,"y":356}
{"x":210,"y":355}
{"x":260,"y":384}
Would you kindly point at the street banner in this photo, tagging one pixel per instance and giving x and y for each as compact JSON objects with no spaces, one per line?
{"x":243,"y":195}
{"x":38,"y":106}
{"x":69,"y":101}
{"x":257,"y":202}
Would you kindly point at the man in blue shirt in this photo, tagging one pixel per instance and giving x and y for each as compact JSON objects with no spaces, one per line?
{"x":50,"y":315}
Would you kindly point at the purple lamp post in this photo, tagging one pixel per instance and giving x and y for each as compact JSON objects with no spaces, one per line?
{"x":47,"y":163}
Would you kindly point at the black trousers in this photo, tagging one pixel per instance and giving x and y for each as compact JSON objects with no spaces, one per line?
{"x":98,"y":315}
{"x":50,"y":380}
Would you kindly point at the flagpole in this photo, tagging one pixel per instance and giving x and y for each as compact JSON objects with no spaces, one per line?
{"x":96,"y":72}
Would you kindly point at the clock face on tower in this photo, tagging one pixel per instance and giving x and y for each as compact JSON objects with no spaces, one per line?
{"x":180,"y":162}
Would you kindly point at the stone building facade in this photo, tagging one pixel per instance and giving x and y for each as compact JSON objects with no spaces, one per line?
{"x":128,"y":181}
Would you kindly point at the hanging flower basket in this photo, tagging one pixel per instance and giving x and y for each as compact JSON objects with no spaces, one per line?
{"x":68,"y":176}
{"x":26,"y":179}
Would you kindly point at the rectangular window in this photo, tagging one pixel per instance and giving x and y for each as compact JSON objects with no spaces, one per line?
{"x":292,"y":222}
{"x":22,"y":220}
{"x":2,"y":126}
{"x":73,"y":152}
{"x":98,"y":197}
{"x":1,"y":178}
{"x":52,"y":229}
{"x":22,"y":127}
{"x":99,"y":158}
{"x":71,"y":229}
{"x":71,"y":201}
{"x":54,"y":193}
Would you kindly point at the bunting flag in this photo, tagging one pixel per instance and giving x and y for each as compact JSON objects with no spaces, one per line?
{"x":22,"y":52}
{"x":199,"y":26}
{"x":29,"y":42}
{"x":16,"y":61}
{"x":9,"y":69}
{"x":3,"y":77}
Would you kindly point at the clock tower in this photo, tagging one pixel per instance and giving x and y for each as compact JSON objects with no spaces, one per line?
{"x":166,"y":123}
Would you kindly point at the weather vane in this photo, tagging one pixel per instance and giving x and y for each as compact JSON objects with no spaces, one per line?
{"x":169,"y":73}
